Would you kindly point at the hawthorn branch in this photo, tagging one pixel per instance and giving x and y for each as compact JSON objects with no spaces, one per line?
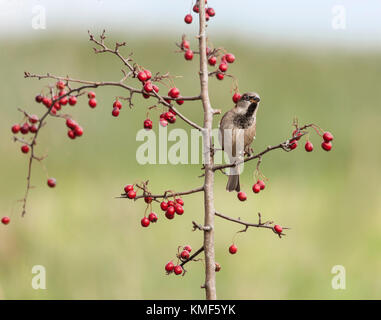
{"x":284,"y":146}
{"x":260,"y":224}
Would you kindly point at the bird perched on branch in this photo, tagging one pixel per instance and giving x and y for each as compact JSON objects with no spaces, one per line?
{"x":237,"y":132}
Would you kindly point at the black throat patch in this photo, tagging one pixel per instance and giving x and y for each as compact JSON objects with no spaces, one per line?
{"x":244,"y":121}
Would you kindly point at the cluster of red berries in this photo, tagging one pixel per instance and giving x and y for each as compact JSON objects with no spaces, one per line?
{"x":260,"y":185}
{"x":31,"y":127}
{"x":309,"y":147}
{"x":60,"y":100}
{"x":167,"y":117}
{"x":5,"y":220}
{"x":183,"y":256}
{"x":223,"y":67}
{"x":209,"y":12}
{"x":116,"y":106}
{"x":75,"y":130}
{"x":92,"y":100}
{"x":185,"y":46}
{"x":152,"y":217}
{"x":144,"y":77}
{"x":172,"y":207}
{"x":129,"y":191}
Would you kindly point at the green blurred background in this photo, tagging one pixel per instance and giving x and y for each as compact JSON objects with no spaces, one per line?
{"x":93,"y":246}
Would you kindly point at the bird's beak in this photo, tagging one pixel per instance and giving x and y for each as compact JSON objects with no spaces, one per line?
{"x":255,"y":99}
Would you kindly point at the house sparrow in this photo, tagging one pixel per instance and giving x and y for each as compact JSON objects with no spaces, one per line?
{"x":237,"y":131}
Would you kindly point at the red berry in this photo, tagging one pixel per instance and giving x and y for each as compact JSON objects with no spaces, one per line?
{"x":261,"y":184}
{"x":242,"y":196}
{"x":145,"y":95}
{"x":230,"y":58}
{"x":184,"y":255}
{"x":47,"y":102}
{"x":178,"y":270}
{"x":171,"y":210}
{"x":60,"y":84}
{"x":145,"y":222}
{"x":212,"y":60}
{"x":148,"y":199}
{"x":52,"y":182}
{"x":180,"y":201}
{"x":163,"y":122}
{"x":33,"y":128}
{"x":147,"y":124}
{"x":115,"y":112}
{"x":188,"y":248}
{"x":92,"y":102}
{"x":196,"y":8}
{"x":91,"y":95}
{"x":70,"y":123}
{"x":53,"y":111}
{"x":171,"y":203}
{"x":39,"y":98}
{"x":327,"y":146}
{"x":169,"y":266}
{"x":188,"y":55}
{"x":233,"y":249}
{"x":117,"y":104}
{"x":236,"y":97}
{"x":327,"y":136}
{"x":25,"y":148}
{"x":223,"y":67}
{"x":78,"y":131}
{"x":148,"y":86}
{"x":16,"y":128}
{"x":33,"y":118}
{"x":296,"y":134}
{"x":152,"y":217}
{"x":179,"y":209}
{"x":188,"y":19}
{"x":220,"y":76}
{"x":148,"y":74}
{"x":142,"y":76}
{"x":131,"y":194}
{"x":185,"y":44}
{"x":169,"y":215}
{"x":293,"y":144}
{"x":128,"y":188}
{"x":72,"y":100}
{"x":164,"y":206}
{"x":256,"y":188}
{"x":71,"y":134}
{"x":155,"y":87}
{"x":168,"y":116}
{"x":174,"y":92}
{"x":180,"y":102}
{"x":206,"y":16}
{"x":278,"y":229}
{"x":24,"y":128}
{"x":309,"y":146}
{"x":63,"y":101}
{"x":57,"y":106}
{"x":5,"y":220}
{"x":211,"y":12}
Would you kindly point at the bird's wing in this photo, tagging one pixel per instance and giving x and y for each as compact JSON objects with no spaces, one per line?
{"x":250,"y":134}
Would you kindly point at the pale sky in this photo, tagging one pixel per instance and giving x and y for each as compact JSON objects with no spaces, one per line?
{"x":303,"y":21}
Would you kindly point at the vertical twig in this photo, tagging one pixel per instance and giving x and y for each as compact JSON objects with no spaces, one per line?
{"x":210,"y":277}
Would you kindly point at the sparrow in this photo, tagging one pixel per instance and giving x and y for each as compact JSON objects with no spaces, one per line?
{"x":237,"y":132}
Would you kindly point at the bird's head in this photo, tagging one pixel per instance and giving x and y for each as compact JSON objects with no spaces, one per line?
{"x":248,"y":99}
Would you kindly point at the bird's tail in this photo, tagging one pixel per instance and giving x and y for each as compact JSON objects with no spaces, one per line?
{"x":233,"y":183}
